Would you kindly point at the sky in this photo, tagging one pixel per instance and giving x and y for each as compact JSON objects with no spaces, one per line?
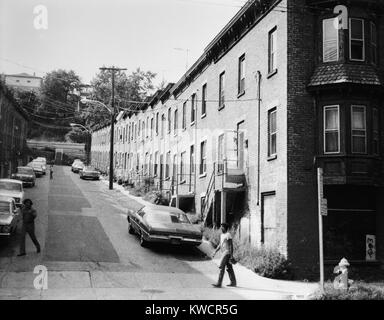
{"x":83,"y":35}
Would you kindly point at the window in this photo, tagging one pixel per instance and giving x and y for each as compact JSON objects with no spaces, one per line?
{"x":331,"y":129}
{"x":203,"y":157}
{"x":151,"y":128}
{"x":330,"y":41}
{"x":272,"y":132}
{"x":359,"y":129}
{"x":204,"y":100}
{"x":157,"y":123}
{"x":175,"y":122}
{"x":150,"y":165}
{"x":169,"y":120}
{"x":220,"y":153}
{"x":373,"y":43}
{"x":272,"y":48}
{"x":241,"y":76}
{"x":375,"y":122}
{"x":193,"y":108}
{"x":182,"y":167}
{"x":221,"y":90}
{"x":192,"y":160}
{"x":147,"y":127}
{"x":174,"y":169}
{"x":356,"y":40}
{"x":184,"y":115}
{"x":167,"y":164}
{"x":156,"y":163}
{"x":162,"y":125}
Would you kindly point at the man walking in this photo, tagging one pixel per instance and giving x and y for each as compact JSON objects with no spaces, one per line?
{"x":29,"y":215}
{"x":51,"y":172}
{"x":226,"y":247}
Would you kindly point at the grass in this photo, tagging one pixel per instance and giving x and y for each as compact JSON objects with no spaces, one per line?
{"x":358,"y":291}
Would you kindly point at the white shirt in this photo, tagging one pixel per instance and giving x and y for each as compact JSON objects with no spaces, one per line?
{"x":224,"y":245}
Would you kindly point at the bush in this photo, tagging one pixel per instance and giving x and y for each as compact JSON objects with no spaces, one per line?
{"x":267,"y":263}
{"x":156,"y":197}
{"x":358,"y":291}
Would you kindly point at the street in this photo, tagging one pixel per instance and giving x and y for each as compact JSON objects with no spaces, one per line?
{"x":89,"y":254}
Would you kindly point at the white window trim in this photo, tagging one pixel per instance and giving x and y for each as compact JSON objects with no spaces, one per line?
{"x":203,"y":115}
{"x":272,"y":32}
{"x":365,"y":130}
{"x":324,"y":131}
{"x":350,"y":39}
{"x":270,"y":133}
{"x":338,"y":49}
{"x":205,"y":158}
{"x":222,"y":89}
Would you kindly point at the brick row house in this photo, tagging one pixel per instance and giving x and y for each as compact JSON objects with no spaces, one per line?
{"x":13,"y":133}
{"x":279,"y":92}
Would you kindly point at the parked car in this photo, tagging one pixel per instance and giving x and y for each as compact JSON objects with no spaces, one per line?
{"x":12,"y":188}
{"x":25,"y":175}
{"x":9,"y":216}
{"x":42,"y":162}
{"x":77,"y":166}
{"x":89,"y":173}
{"x":37,"y":168}
{"x":164,"y":224}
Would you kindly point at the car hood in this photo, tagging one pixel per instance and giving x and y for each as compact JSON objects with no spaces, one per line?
{"x":11,"y":194}
{"x":6,"y":219}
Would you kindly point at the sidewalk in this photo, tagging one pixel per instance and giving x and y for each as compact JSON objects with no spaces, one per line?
{"x":246,"y":278}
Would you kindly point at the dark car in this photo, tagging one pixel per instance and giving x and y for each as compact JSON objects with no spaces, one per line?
{"x":25,"y":175}
{"x":89,"y":173}
{"x":164,"y":224}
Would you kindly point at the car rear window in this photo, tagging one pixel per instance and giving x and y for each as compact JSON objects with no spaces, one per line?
{"x":167,"y":217}
{"x":9,"y":186}
{"x":24,"y":170}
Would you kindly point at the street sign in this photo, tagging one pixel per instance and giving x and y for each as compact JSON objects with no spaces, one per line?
{"x":324,"y":207}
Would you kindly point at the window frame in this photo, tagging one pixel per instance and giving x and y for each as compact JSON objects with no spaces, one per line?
{"x":350,"y":39}
{"x":184,"y":115}
{"x":222,"y":90}
{"x":193,"y":109}
{"x":337,"y":42}
{"x":325,"y":131}
{"x":204,"y":100}
{"x":241,"y":75}
{"x":272,"y":51}
{"x":203,"y":158}
{"x":365,"y":129}
{"x":175,"y":121}
{"x":272,"y":111}
{"x":182,"y":166}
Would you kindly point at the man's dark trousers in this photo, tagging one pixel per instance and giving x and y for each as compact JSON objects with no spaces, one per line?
{"x":30,"y":229}
{"x":225,"y":263}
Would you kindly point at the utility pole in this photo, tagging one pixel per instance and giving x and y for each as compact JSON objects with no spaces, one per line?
{"x":111,"y":160}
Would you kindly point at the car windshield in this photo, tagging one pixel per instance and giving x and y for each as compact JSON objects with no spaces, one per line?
{"x":9,"y":186}
{"x":4,"y":207}
{"x":24,"y":170}
{"x":167,"y":217}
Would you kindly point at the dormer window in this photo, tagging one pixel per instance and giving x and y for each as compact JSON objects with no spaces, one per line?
{"x":330,"y":41}
{"x":356,"y":40}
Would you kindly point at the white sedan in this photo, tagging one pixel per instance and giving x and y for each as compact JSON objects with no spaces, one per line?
{"x":12,"y":188}
{"x":9,"y":216}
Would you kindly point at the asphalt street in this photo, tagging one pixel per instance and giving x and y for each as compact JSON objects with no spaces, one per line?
{"x":89,"y":253}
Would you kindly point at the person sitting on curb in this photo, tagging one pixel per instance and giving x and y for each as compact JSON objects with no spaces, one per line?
{"x":226,"y":247}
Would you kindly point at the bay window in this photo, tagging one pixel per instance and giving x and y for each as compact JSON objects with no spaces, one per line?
{"x":331,"y":129}
{"x":356,"y":40}
{"x":330,"y":41}
{"x":359,"y":129}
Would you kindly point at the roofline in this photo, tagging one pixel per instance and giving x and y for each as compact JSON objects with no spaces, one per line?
{"x":22,"y":76}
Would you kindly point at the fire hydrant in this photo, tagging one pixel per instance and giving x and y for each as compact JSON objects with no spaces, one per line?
{"x":342,"y":282}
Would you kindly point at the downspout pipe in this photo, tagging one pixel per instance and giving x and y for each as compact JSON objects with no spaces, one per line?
{"x":258,"y":133}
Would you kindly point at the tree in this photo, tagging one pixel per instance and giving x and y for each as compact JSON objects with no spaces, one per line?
{"x":135,"y":87}
{"x":77,"y":135}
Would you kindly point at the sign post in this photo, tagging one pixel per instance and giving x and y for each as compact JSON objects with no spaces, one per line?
{"x":321,"y":209}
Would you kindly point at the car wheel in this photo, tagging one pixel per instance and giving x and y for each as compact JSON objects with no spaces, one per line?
{"x":143,"y":242}
{"x":131,"y":230}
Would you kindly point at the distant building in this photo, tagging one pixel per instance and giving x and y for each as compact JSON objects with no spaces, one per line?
{"x":23,"y":81}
